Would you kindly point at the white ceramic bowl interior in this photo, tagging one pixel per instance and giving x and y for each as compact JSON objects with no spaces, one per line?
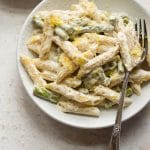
{"x":107,"y":116}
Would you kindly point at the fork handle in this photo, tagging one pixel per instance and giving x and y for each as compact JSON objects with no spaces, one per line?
{"x":115,"y":137}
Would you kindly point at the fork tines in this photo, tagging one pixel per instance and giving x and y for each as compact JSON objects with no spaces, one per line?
{"x":141,"y":32}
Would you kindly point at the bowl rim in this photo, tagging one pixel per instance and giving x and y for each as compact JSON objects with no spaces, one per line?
{"x":31,"y":96}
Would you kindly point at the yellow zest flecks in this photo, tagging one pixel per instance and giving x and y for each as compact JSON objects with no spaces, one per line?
{"x":55,"y":21}
{"x":136,"y":51}
{"x":80,"y":60}
{"x":88,"y":54}
{"x":65,"y":61}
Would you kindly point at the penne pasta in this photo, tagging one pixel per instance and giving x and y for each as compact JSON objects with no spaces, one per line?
{"x":34,"y":43}
{"x":98,"y":61}
{"x":111,"y":95}
{"x":140,"y":76}
{"x":70,"y":50}
{"x":32,"y":71}
{"x":74,"y":95}
{"x":76,"y":108}
{"x":49,"y":75}
{"x":46,"y":42}
{"x":125,"y":51}
{"x":46,"y":65}
{"x":136,"y":88}
{"x":101,"y":39}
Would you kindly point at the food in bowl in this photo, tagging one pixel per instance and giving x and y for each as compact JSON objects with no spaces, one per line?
{"x":79,"y":57}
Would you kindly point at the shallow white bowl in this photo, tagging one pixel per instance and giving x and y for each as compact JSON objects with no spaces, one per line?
{"x":107,"y":117}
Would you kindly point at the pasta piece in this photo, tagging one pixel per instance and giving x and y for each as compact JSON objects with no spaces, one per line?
{"x":52,"y":76}
{"x":99,"y":16}
{"x":70,"y":50}
{"x":140,"y":76}
{"x":32,"y":71}
{"x":75,"y":108}
{"x":125,"y":51}
{"x":136,"y":88}
{"x":48,"y":32}
{"x":68,"y":67}
{"x":111,"y":95}
{"x":61,"y":33}
{"x":67,"y":62}
{"x":49,"y":75}
{"x":72,"y":82}
{"x":82,"y":43}
{"x":89,"y":7}
{"x":137,"y":76}
{"x":34,"y":43}
{"x":75,"y":95}
{"x":104,"y":48}
{"x":101,"y":39}
{"x":46,"y":65}
{"x":63,"y":73}
{"x":98,"y":61}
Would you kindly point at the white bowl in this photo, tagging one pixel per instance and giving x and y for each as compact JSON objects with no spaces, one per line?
{"x":107,"y":117}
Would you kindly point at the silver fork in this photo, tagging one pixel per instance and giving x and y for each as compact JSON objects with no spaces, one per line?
{"x":143,"y":40}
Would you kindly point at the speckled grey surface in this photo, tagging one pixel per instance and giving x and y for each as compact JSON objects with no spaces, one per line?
{"x":23,"y":126}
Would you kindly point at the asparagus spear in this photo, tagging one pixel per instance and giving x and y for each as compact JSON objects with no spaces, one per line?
{"x":46,"y":94}
{"x":74,"y":31}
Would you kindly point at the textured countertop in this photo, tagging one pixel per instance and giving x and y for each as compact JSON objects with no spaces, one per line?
{"x":23,"y":126}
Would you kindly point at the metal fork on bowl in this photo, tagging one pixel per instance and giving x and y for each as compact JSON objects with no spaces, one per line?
{"x":143,"y":40}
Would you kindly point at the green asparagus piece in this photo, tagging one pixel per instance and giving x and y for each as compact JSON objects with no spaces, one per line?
{"x":46,"y":94}
{"x":125,"y":20}
{"x":108,"y":105}
{"x":74,"y":31}
{"x":96,"y":29}
{"x":38,"y":21}
{"x":129,"y":92}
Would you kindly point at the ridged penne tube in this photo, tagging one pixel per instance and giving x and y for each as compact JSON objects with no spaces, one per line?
{"x":63,"y":73}
{"x":111,"y":95}
{"x":49,"y":75}
{"x":76,"y":108}
{"x":67,"y":62}
{"x":46,"y":65}
{"x":136,"y":88}
{"x":32,"y":71}
{"x":104,"y":48}
{"x":125,"y":51}
{"x":72,"y":82}
{"x":98,"y":61}
{"x":68,"y":67}
{"x":88,"y":7}
{"x":70,"y":50}
{"x":74,"y":94}
{"x":34,"y":43}
{"x":101,"y":39}
{"x":139,"y":76}
{"x":52,"y":76}
{"x":46,"y":42}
